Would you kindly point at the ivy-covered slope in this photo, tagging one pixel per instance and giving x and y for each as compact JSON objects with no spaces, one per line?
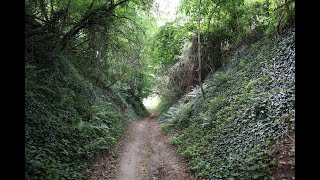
{"x":249,"y":105}
{"x":69,"y":117}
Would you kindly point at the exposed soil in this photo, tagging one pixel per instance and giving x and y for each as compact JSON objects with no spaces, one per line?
{"x":144,"y":152}
{"x":282,"y":152}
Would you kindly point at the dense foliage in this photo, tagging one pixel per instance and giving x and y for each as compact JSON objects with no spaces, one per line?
{"x":225,"y":25}
{"x":89,"y":64}
{"x":249,"y":106}
{"x":247,"y":54}
{"x":86,"y":74}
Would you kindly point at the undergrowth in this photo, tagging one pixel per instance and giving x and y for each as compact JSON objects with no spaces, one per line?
{"x":249,"y":104}
{"x":69,"y":117}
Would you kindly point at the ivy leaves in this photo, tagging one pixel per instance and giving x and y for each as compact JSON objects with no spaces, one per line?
{"x":229,"y":134}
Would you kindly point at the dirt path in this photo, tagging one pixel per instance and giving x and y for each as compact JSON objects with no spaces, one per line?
{"x":144,"y":153}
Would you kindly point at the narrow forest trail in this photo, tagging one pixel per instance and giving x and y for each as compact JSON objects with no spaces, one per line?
{"x":143,"y":153}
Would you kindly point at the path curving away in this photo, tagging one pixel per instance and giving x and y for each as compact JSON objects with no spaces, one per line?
{"x":144,"y":153}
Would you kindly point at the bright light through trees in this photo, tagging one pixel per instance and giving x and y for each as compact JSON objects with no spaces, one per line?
{"x":165,"y":10}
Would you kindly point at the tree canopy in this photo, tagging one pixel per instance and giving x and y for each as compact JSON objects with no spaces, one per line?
{"x":90,"y":63}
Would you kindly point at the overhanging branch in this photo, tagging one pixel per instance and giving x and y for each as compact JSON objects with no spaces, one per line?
{"x":88,"y":19}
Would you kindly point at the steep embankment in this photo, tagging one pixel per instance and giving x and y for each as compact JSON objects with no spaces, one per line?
{"x":248,"y":111}
{"x":69,"y":117}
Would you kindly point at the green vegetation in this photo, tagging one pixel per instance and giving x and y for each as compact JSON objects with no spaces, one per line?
{"x":86,"y":74}
{"x":225,"y":26}
{"x":227,"y":135}
{"x":246,"y":47}
{"x":90,"y":63}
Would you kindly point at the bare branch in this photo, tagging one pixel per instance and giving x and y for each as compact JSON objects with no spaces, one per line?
{"x":81,"y":43}
{"x":35,"y":17}
{"x":212,"y":14}
{"x":85,"y":21}
{"x":116,"y":80}
{"x":52,"y":10}
{"x":286,"y":3}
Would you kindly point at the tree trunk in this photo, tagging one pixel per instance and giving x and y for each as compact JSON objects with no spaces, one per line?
{"x":199,"y":54}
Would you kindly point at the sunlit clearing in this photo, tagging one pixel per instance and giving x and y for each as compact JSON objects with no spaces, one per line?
{"x":151,"y":102}
{"x":165,"y":10}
